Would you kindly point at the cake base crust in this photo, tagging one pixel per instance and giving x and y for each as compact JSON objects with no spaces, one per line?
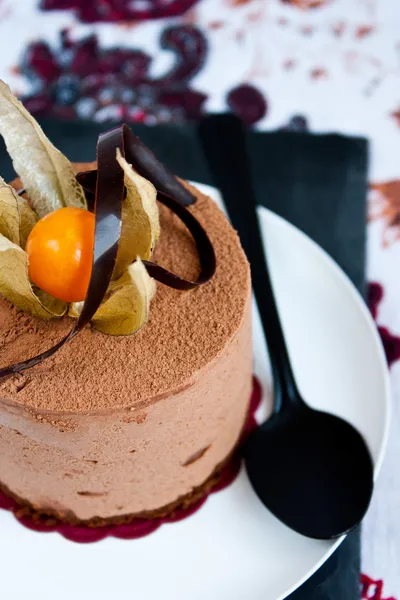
{"x":51,"y":517}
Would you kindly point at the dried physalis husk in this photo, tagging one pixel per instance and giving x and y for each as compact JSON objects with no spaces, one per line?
{"x":15,"y":285}
{"x":16,"y":216}
{"x":140,"y":220}
{"x":47,"y":175}
{"x":126,"y":309}
{"x":75,"y":309}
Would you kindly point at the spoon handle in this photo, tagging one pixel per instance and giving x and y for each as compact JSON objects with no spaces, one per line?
{"x":223,"y":140}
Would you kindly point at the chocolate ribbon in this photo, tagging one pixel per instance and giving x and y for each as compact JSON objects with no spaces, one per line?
{"x":172,"y":194}
{"x":204,"y":247}
{"x":105,"y":190}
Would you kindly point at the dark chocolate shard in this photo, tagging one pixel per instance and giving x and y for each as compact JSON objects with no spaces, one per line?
{"x":204,"y":247}
{"x":162,"y":180}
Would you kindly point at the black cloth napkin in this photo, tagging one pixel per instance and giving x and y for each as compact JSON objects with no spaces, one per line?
{"x":319,"y":183}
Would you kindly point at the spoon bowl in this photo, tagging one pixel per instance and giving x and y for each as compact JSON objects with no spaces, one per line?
{"x":312,"y":470}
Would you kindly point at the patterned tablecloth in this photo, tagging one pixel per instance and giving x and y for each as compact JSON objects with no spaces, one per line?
{"x":318,"y":65}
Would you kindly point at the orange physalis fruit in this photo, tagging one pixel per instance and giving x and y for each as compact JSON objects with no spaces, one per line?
{"x":60,"y":253}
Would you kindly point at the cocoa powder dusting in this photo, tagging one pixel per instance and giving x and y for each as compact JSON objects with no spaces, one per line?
{"x":186,"y":331}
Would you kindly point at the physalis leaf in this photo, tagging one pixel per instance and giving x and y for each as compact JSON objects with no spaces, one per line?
{"x":47,"y":175}
{"x":126,"y":309}
{"x":16,"y":216}
{"x":140,"y":221}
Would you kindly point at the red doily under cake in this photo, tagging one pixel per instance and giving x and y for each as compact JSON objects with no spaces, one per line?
{"x":137,"y":528}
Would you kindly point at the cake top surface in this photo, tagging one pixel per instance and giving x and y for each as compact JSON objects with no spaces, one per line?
{"x":185,"y":332}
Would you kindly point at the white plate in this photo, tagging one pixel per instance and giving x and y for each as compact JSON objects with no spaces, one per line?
{"x":232,"y":548}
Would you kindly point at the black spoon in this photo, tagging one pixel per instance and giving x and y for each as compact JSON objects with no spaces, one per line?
{"x":311,"y":469}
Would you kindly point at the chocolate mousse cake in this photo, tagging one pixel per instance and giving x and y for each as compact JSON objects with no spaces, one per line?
{"x":127,"y":402}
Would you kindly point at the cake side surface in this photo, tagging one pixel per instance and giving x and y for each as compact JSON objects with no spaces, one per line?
{"x":130,"y":462}
{"x":115,"y":426}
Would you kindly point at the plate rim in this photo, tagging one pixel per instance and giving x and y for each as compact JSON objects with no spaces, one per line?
{"x":338,"y":272}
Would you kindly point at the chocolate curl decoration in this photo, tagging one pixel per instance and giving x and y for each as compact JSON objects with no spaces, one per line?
{"x":147,"y":165}
{"x":105,"y":192}
{"x":204,"y":247}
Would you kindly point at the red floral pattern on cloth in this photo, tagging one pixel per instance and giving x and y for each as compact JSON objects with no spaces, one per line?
{"x":391,"y":342}
{"x":372,"y":589}
{"x":137,"y":528}
{"x":80,"y":79}
{"x":92,"y":11}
